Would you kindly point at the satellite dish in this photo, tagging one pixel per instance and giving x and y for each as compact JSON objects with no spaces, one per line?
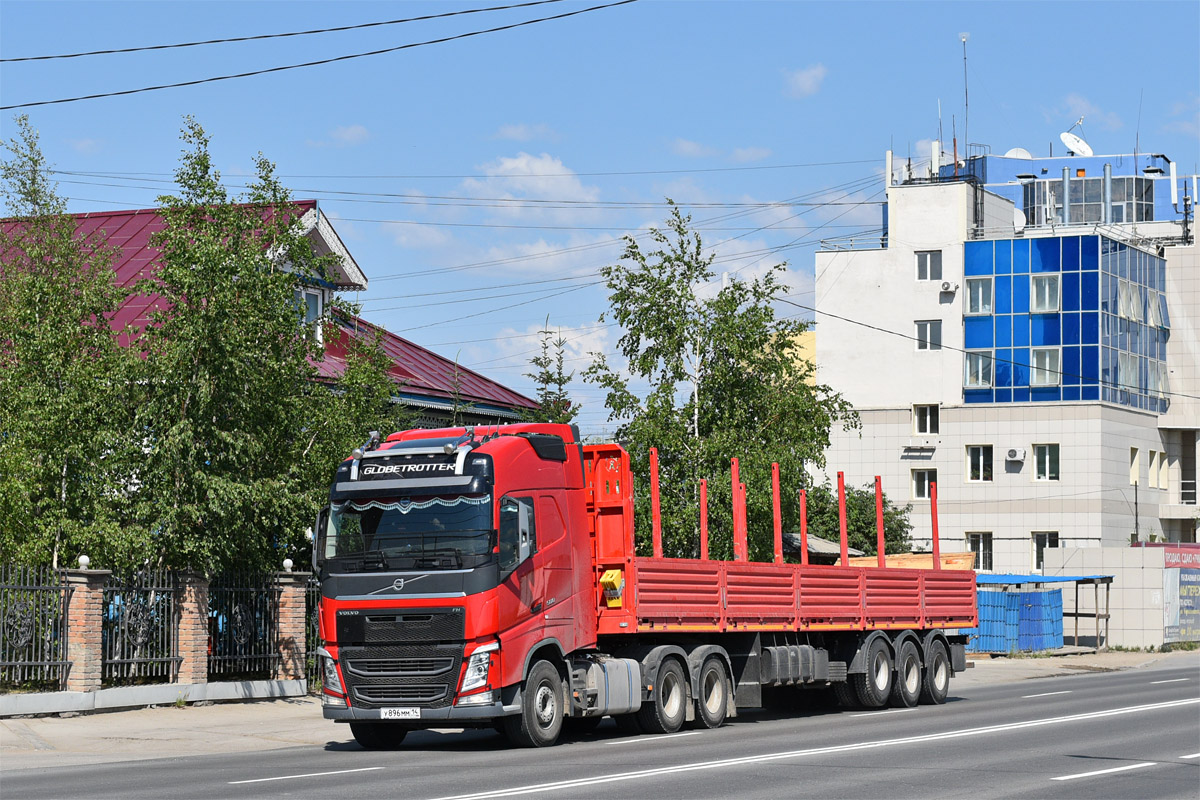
{"x":1019,"y":220}
{"x":1076,"y":144}
{"x":1018,"y":152}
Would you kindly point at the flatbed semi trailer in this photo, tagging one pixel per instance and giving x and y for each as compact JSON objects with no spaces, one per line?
{"x":490,"y":577}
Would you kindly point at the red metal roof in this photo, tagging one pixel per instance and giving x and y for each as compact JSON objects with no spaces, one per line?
{"x":420,"y":371}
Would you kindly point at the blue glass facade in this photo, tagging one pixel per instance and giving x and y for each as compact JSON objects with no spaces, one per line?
{"x":1066,"y":318}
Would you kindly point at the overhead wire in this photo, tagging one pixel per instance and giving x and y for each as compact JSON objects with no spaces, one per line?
{"x":318,"y":62}
{"x":262,"y":36}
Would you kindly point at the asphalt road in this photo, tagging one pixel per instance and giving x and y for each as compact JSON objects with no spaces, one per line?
{"x":1133,"y":734}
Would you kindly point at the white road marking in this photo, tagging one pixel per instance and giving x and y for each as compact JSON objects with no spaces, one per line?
{"x":881,"y":712}
{"x":306,"y":775}
{"x":1173,"y":680}
{"x":1043,"y":694}
{"x":589,"y":783}
{"x":1105,"y":771}
{"x":652,"y":739}
{"x":1193,"y":755}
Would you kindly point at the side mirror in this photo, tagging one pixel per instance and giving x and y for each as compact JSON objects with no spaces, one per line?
{"x":320,"y":538}
{"x":525,"y":540}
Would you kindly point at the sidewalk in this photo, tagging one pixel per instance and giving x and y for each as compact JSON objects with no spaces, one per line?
{"x":164,"y":732}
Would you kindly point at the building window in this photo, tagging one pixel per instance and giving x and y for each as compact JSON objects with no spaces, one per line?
{"x":929,"y":265}
{"x":921,"y":478}
{"x":1135,"y":467}
{"x":308,"y":303}
{"x":1045,"y":371}
{"x":925,"y":419}
{"x":979,"y":462}
{"x":1162,"y":471}
{"x":1152,"y":470}
{"x":1043,"y":296}
{"x":929,"y":334}
{"x":1045,"y":457}
{"x":979,"y":295}
{"x":1127,"y":369}
{"x":978,"y":369}
{"x":1042,"y":540}
{"x":981,"y":545}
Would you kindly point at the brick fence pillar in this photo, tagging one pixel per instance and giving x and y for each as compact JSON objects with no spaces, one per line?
{"x":292,"y":619}
{"x":191,"y":628}
{"x":85,"y":616}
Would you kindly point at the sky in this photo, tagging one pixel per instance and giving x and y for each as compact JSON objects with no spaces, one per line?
{"x":481,"y":183}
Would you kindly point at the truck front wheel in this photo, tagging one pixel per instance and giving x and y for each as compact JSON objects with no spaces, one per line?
{"x":378,"y":735}
{"x":541,"y":719}
{"x":668,"y":707}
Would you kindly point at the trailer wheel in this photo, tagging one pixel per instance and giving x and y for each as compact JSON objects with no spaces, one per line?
{"x":906,"y":690}
{"x":713,"y":702}
{"x":843,"y":695}
{"x":875,"y":685}
{"x":668,"y":707}
{"x":540,"y":721}
{"x":378,"y":735}
{"x":936,"y":685}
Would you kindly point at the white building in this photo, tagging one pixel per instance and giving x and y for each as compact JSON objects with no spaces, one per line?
{"x":1045,"y":373}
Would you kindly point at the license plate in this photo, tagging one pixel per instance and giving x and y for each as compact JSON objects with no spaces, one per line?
{"x":400,"y":713}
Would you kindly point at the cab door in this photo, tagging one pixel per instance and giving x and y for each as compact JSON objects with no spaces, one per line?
{"x":522,"y":583}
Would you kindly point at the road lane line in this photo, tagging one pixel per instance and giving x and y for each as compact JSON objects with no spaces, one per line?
{"x":1193,"y":755}
{"x":651,"y":739}
{"x":1043,"y":694}
{"x":1173,"y":680}
{"x":306,"y":775}
{"x":1105,"y":771}
{"x":882,"y":712}
{"x":589,"y":783}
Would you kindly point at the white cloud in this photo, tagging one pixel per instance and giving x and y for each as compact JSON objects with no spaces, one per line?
{"x":343,"y":136}
{"x":804,"y":82}
{"x":538,"y":177}
{"x":690,"y":149}
{"x":416,"y":236}
{"x":745,"y":154}
{"x":86,"y":147}
{"x":1187,"y":117}
{"x":524,"y":132}
{"x":1076,"y":105}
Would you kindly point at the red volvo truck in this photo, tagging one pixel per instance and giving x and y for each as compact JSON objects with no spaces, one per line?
{"x":488,"y":577}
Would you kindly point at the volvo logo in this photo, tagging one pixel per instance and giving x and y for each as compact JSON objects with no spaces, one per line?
{"x":398,"y":584}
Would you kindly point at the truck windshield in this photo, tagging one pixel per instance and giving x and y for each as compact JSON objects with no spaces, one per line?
{"x":432,"y":532}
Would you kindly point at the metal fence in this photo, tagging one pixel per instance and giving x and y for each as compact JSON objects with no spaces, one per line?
{"x":242,"y":626}
{"x":138,"y":629}
{"x":33,"y":627}
{"x":312,"y":666}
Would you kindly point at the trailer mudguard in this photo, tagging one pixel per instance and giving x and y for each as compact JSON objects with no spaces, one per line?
{"x":650,"y":656}
{"x":857,"y":663}
{"x":695,"y":660}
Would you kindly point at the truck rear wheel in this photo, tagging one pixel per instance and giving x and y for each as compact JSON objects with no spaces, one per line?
{"x":906,"y":690}
{"x":875,"y":684}
{"x":936,"y":684}
{"x":713,"y":702}
{"x":541,"y":719}
{"x":668,"y":706}
{"x":378,"y":735}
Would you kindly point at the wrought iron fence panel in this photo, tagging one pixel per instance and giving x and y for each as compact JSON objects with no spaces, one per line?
{"x":312,"y":666}
{"x":138,"y":629}
{"x":243,"y":631}
{"x":33,"y":627}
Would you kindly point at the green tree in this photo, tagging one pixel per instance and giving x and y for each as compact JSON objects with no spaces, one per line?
{"x":860,"y":519}
{"x":67,"y":447}
{"x":724,"y":379}
{"x":551,"y":378}
{"x":236,"y":419}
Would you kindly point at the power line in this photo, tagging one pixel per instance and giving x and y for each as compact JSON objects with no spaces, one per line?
{"x":262,"y":36}
{"x":319,"y":62}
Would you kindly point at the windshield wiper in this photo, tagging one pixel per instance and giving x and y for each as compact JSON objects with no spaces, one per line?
{"x":446,"y":557}
{"x":374,"y":559}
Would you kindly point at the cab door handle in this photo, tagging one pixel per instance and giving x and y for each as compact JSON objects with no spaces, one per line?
{"x":536,"y":607}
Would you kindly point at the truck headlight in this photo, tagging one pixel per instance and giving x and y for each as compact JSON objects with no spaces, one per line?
{"x":478,"y":665}
{"x":329,"y":673}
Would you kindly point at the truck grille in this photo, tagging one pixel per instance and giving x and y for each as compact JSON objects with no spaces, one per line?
{"x":418,"y":674}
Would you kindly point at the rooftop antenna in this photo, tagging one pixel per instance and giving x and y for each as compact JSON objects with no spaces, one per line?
{"x":966,"y":104}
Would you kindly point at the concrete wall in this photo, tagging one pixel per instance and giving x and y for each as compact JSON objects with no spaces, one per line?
{"x":1136,"y":603}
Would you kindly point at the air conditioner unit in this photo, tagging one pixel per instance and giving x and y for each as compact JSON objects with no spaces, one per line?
{"x":1015,"y":454}
{"x":949,"y":286}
